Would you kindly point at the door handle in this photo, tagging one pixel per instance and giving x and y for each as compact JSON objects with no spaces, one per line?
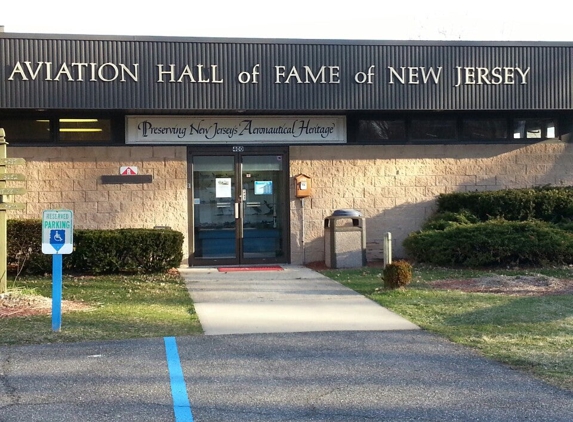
{"x":239,"y":214}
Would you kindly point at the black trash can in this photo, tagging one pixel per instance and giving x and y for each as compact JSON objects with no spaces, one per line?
{"x":345,"y":239}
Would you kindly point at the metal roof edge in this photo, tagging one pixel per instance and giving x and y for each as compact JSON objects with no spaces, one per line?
{"x":228,"y":40}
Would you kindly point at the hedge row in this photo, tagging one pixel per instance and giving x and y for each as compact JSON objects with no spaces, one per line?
{"x":506,"y":227}
{"x":493,"y":243}
{"x":96,"y":251}
{"x":552,"y":204}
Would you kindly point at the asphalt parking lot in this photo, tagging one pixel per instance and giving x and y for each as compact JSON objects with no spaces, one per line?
{"x":315,"y":376}
{"x":342,"y":358}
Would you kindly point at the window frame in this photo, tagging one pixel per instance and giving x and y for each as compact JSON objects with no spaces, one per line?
{"x":453,"y":125}
{"x":544,"y":128}
{"x":506,"y":123}
{"x":394,"y":119}
{"x":558,"y":119}
{"x":116,"y":133}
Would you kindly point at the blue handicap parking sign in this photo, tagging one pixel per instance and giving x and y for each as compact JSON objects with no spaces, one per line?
{"x":57,"y":232}
{"x":57,"y":238}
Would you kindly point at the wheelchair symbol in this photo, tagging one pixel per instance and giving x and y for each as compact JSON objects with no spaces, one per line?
{"x":57,"y":237}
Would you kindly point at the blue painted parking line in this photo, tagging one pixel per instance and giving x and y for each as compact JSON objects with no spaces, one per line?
{"x":181,"y":405}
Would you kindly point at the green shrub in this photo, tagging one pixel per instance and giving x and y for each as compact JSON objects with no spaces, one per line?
{"x":552,"y":204}
{"x":96,"y":251}
{"x":397,"y":274}
{"x":442,"y":221}
{"x":506,"y":227}
{"x":126,"y":250}
{"x":156,"y":250}
{"x":496,"y":242}
{"x":567,"y":226}
{"x":24,"y":243}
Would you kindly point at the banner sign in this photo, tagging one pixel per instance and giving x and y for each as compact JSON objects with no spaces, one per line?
{"x":235,"y":130}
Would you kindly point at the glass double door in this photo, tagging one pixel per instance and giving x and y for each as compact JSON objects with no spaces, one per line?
{"x":239,"y":207}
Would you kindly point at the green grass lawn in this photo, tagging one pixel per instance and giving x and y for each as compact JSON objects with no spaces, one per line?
{"x":120,"y":307}
{"x":532,"y":333}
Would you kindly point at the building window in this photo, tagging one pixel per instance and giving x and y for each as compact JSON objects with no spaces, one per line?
{"x":484,"y":129}
{"x":65,"y":130}
{"x":84,"y":130}
{"x":450,"y":128}
{"x":26,"y":130}
{"x":534,"y":129}
{"x":433,"y":129}
{"x":379,"y":130}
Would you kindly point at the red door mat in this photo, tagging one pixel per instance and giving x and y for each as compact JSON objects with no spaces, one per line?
{"x":268,"y":268}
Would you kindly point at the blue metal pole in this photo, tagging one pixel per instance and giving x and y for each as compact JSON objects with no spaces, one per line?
{"x":56,"y":292}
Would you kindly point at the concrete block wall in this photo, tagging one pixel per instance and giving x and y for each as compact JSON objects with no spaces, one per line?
{"x":70,"y":178}
{"x":396,"y":187}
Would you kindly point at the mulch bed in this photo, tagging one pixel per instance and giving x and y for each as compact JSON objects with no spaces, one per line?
{"x":20,"y":305}
{"x":523,"y":285}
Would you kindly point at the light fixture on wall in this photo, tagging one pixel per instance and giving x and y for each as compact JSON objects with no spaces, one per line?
{"x":70,"y":120}
{"x":78,"y":120}
{"x":78,"y":129}
{"x":73,"y":125}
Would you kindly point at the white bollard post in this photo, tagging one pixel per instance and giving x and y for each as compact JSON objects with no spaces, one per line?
{"x":387,"y":249}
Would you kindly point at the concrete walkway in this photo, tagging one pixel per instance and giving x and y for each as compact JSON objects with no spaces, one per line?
{"x":297,"y":299}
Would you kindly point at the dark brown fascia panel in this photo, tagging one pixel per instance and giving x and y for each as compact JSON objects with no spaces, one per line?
{"x":119,"y":180}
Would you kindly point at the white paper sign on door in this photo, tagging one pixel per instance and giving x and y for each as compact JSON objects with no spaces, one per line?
{"x":223,"y":187}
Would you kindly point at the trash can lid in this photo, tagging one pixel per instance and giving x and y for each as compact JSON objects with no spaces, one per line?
{"x":346,"y":213}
